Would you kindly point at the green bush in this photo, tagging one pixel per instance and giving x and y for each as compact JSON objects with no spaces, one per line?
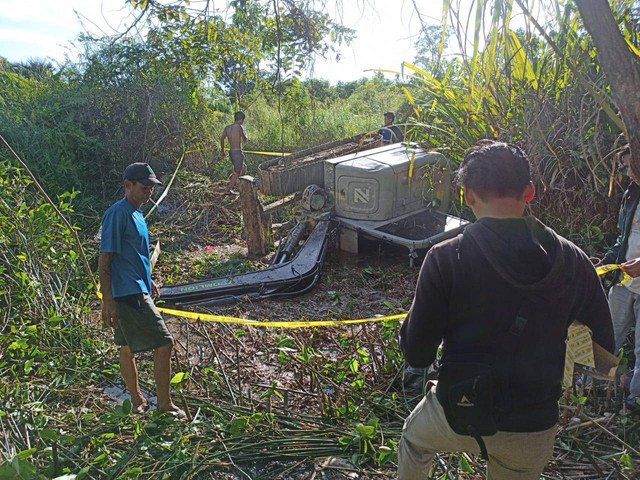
{"x":40,"y":269}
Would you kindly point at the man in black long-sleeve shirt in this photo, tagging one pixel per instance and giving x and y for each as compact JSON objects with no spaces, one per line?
{"x":501,"y":295}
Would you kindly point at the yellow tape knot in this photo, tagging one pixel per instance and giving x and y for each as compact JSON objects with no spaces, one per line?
{"x":610,"y":268}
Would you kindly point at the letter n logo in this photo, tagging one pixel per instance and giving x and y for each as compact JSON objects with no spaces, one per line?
{"x":361,"y":195}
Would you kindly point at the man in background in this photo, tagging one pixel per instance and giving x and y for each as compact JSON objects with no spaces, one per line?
{"x":236,"y":135}
{"x":500,"y":298}
{"x":390,"y":132}
{"x":624,"y":300}
{"x":126,"y":286}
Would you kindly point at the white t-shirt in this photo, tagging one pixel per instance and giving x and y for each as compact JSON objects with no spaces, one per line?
{"x":633,"y":250}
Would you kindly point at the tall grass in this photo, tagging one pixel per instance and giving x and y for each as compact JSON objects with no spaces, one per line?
{"x":78,"y":127}
{"x":308,"y":121}
{"x":537,"y":87}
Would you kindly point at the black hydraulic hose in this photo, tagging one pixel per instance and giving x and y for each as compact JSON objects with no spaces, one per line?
{"x":298,"y":292}
{"x":292,"y":242}
{"x":274,"y":260}
{"x":315,"y":273}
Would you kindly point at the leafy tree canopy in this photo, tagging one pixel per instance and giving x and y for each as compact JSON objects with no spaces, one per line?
{"x":264,"y":40}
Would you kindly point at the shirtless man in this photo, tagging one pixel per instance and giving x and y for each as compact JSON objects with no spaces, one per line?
{"x":235,"y":134}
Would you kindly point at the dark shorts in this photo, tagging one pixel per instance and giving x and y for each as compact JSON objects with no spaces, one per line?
{"x":237,"y":158}
{"x":141,"y":326}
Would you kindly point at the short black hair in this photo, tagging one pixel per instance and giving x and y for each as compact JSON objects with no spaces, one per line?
{"x":495,"y":169}
{"x":238,"y":116}
{"x":391,"y":115}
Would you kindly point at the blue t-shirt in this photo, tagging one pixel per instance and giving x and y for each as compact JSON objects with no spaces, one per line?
{"x":386,"y":135}
{"x":125,"y":234}
{"x":391,"y":134}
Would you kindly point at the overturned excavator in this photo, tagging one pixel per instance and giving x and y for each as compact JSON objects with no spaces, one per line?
{"x":397,"y":194}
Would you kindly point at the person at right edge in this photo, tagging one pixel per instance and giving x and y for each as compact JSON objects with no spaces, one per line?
{"x":624,"y":300}
{"x":500,"y":297}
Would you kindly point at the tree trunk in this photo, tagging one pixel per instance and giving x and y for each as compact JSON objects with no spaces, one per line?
{"x":254,"y":222}
{"x":621,"y":66}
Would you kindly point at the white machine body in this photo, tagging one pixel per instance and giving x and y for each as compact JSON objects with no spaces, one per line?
{"x":381,"y":183}
{"x":396,"y":193}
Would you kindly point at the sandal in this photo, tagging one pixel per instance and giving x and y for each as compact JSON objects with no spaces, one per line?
{"x":178,"y":414}
{"x":141,"y":408}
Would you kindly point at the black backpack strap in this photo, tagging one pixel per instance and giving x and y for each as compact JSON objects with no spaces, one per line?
{"x":473,"y":432}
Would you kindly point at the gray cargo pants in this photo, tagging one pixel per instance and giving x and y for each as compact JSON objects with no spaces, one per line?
{"x":426,"y":432}
{"x":625,"y":313}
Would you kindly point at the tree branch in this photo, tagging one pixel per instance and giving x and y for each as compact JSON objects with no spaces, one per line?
{"x":620,"y":65}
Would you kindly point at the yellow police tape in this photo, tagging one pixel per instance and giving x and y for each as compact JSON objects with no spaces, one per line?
{"x":610,"y":268}
{"x":275,"y":154}
{"x":203,"y":317}
{"x":207,"y":317}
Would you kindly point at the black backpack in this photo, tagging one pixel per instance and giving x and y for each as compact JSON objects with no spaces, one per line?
{"x":466,"y":392}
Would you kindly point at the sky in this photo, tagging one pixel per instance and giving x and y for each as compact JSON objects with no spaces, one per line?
{"x":386,"y":31}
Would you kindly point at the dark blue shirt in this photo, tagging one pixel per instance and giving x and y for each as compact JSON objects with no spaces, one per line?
{"x":125,"y":234}
{"x":386,"y":135}
{"x":391,"y":134}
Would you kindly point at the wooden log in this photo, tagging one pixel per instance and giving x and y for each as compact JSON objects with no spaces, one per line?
{"x":278,"y":204}
{"x":256,"y":224}
{"x":155,"y":255}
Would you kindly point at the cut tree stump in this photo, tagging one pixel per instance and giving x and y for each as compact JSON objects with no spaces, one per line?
{"x":256,"y":224}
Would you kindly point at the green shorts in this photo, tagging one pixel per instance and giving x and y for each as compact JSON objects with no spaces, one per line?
{"x":141,"y":326}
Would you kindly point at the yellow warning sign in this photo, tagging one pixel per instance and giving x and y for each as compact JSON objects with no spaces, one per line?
{"x":579,"y":350}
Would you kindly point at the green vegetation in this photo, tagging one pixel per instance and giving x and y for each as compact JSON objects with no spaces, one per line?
{"x":539,"y":90}
{"x":212,"y":265}
{"x":266,"y":404}
{"x":77,"y":127}
{"x":80,"y":126}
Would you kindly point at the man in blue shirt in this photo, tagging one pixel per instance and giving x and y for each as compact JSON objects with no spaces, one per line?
{"x":127,"y":289}
{"x":390,"y":132}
